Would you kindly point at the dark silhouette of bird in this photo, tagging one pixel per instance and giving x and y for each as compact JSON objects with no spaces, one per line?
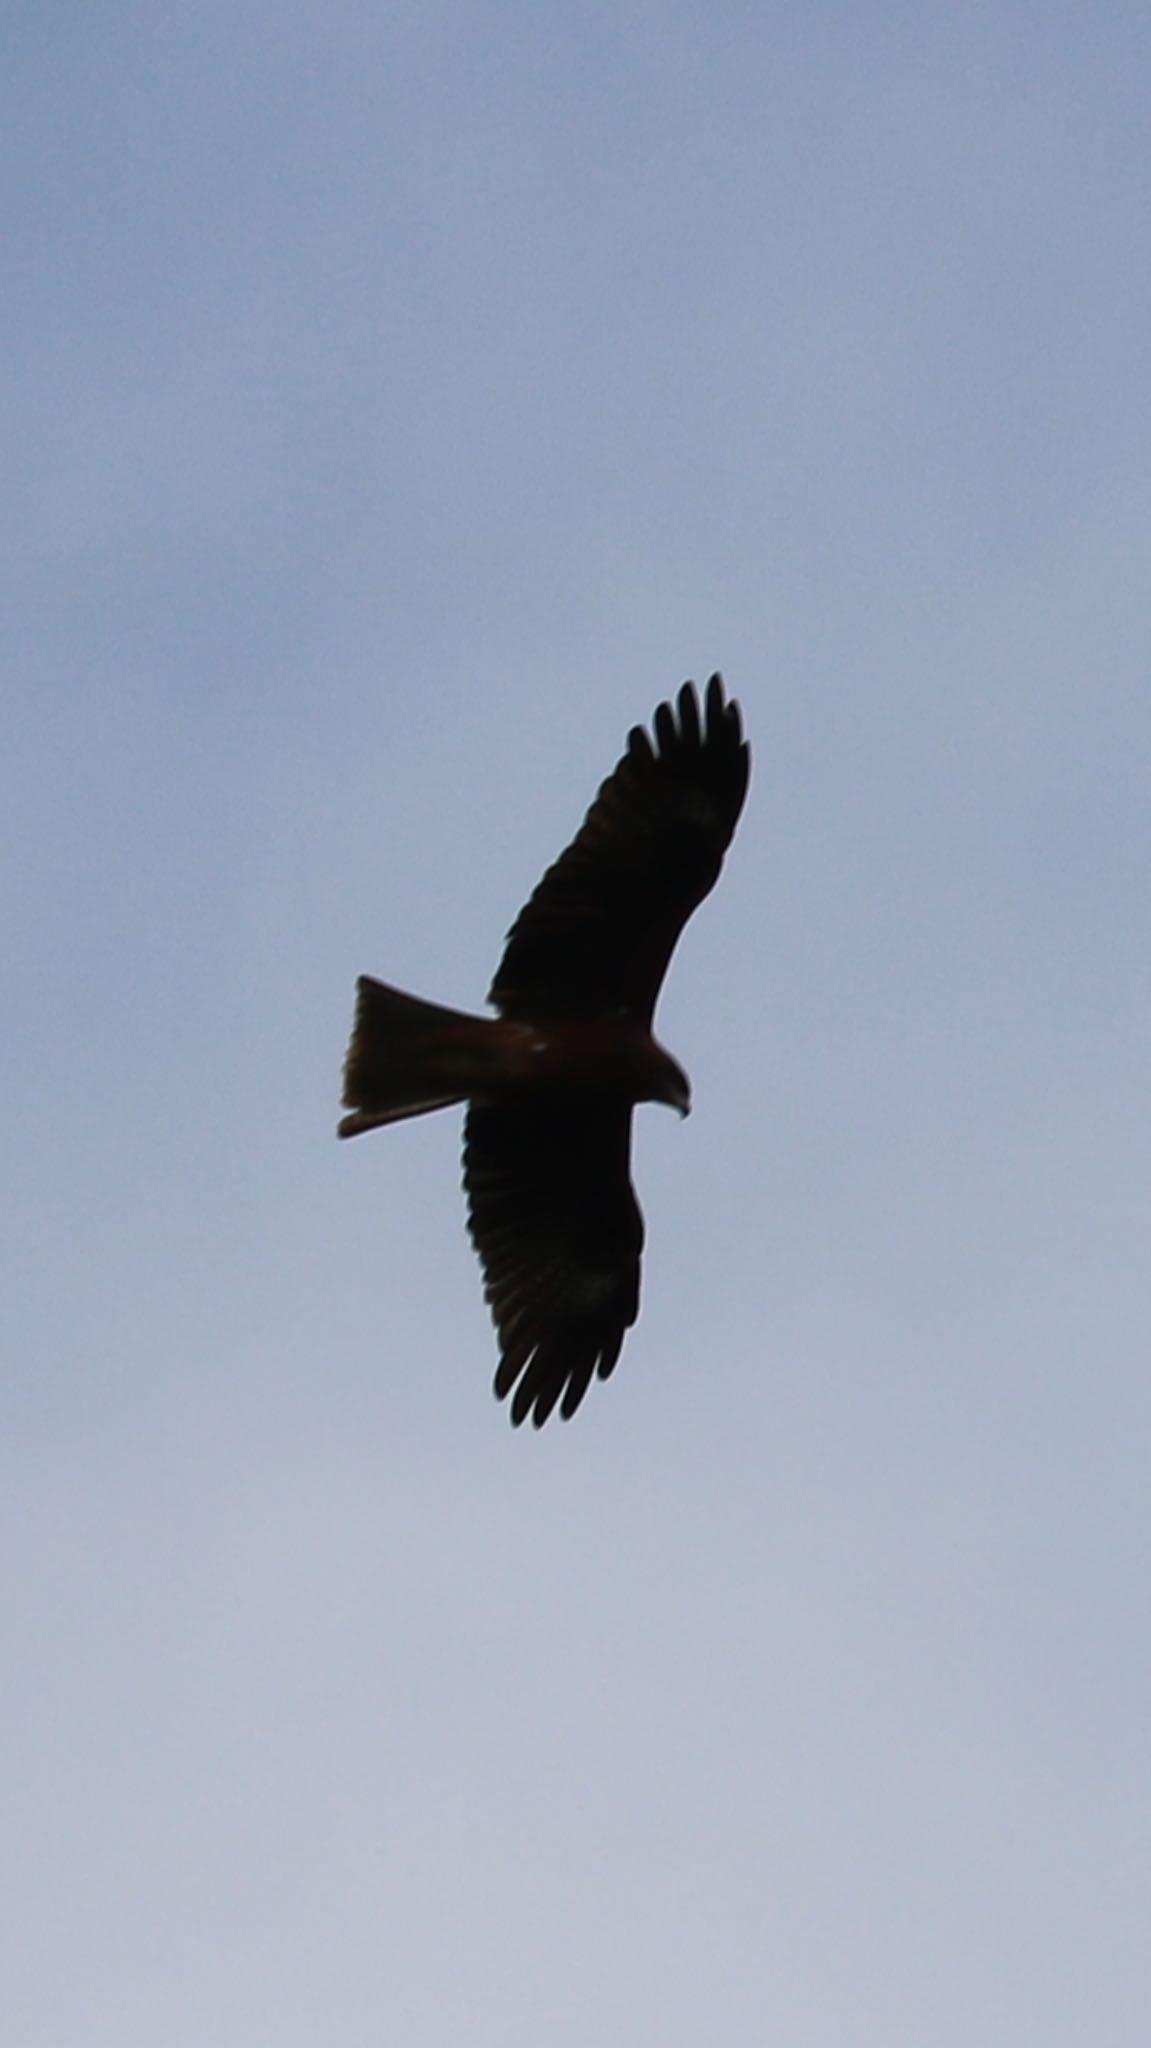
{"x":551,"y":1081}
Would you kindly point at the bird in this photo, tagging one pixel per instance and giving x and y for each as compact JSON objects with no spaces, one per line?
{"x":550,"y":1082}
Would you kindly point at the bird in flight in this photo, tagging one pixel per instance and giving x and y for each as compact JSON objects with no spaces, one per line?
{"x":550,"y":1082}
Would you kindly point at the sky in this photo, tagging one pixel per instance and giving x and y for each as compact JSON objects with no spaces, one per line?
{"x":398,"y":403}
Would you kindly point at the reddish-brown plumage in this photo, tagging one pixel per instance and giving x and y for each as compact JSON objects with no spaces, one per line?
{"x":551,"y":1081}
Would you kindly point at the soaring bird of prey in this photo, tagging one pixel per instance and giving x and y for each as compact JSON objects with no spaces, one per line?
{"x":550,"y":1082}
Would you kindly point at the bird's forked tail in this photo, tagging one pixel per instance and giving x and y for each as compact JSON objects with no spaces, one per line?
{"x":405,"y":1057}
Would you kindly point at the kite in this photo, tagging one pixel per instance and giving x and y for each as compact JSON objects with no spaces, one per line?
{"x":551,"y":1081}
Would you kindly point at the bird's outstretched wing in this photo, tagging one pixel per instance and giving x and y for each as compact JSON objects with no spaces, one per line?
{"x":555,"y":1221}
{"x":596,"y":937}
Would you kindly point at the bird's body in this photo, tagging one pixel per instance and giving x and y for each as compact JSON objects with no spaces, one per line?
{"x":493,"y":1059}
{"x":551,"y":1081}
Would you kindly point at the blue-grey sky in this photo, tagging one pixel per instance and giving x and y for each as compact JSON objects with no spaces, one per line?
{"x":398,"y":402}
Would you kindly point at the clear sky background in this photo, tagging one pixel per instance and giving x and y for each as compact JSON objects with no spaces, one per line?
{"x":397,"y":403}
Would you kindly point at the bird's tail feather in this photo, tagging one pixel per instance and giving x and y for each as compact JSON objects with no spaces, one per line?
{"x":406,"y":1057}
